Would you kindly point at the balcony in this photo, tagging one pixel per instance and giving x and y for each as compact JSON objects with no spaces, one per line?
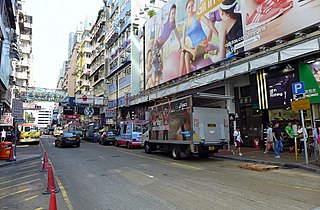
{"x":85,"y":83}
{"x":22,"y":75}
{"x":27,"y":25}
{"x":24,"y":62}
{"x":86,"y":72}
{"x":26,"y":37}
{"x":26,"y":50}
{"x":111,"y":35}
{"x":100,"y":79}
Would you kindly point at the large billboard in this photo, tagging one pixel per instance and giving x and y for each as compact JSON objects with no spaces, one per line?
{"x":187,"y":35}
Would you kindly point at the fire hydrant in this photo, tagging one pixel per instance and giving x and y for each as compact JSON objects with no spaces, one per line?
{"x":256,"y":143}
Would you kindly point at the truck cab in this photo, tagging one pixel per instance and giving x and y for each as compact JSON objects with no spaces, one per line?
{"x":131,"y":133}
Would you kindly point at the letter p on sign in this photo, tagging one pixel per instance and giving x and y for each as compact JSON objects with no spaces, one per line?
{"x":298,"y":88}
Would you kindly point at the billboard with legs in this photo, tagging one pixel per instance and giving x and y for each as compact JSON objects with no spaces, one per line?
{"x":187,"y":35}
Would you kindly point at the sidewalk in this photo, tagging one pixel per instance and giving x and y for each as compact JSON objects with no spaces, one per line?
{"x":258,"y":156}
{"x":24,"y":153}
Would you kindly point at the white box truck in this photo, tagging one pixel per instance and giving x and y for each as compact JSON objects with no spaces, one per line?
{"x":187,"y":126}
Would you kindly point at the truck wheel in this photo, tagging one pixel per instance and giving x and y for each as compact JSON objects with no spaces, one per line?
{"x":175,"y":152}
{"x":147,"y":148}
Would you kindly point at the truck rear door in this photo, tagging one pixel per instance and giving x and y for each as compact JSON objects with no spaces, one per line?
{"x":210,"y":125}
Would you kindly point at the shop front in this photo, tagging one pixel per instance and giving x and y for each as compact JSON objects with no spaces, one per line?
{"x":271,"y":96}
{"x":309,"y":73}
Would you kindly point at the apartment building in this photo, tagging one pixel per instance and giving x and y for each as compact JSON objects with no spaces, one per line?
{"x":123,"y":42}
{"x":23,"y":68}
{"x":97,"y":66}
{"x":84,"y":61}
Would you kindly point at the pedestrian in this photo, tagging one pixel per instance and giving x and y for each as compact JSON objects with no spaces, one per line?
{"x":277,"y":138}
{"x":269,"y":143}
{"x":237,"y":141}
{"x":3,"y":135}
{"x":302,"y":136}
{"x":96,"y":136}
{"x":290,"y":135}
{"x":315,"y":135}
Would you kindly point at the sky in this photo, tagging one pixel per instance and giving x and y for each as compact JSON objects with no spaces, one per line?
{"x":53,"y":20}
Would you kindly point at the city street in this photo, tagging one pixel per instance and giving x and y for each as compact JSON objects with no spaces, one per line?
{"x":106,"y":177}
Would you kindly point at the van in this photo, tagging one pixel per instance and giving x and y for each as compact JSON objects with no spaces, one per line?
{"x":29,"y":132}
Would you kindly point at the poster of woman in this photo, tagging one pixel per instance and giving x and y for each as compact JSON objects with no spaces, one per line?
{"x":187,"y":35}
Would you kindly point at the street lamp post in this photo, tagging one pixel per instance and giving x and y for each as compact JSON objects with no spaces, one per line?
{"x":117,"y":99}
{"x":117,"y":96}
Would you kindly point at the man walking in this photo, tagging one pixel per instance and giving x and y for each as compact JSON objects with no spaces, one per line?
{"x":237,"y":141}
{"x":277,"y":137}
{"x":289,"y":132}
{"x":269,"y":142}
{"x":3,"y":135}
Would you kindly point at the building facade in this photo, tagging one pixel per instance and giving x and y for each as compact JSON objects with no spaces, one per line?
{"x":257,"y":70}
{"x":123,"y":51}
{"x":8,"y":52}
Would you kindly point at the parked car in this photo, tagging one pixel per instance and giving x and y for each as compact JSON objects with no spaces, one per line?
{"x":67,"y":139}
{"x":108,"y":137}
{"x":131,"y":133}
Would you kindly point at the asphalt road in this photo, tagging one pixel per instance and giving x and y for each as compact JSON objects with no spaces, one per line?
{"x":106,"y":177}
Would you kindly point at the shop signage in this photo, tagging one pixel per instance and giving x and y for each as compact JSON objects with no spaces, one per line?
{"x":280,"y":91}
{"x":84,"y":99}
{"x":17,"y":109}
{"x":98,"y":100}
{"x":110,"y":113}
{"x":68,"y":110}
{"x":6,"y":120}
{"x":88,"y":111}
{"x":71,"y":117}
{"x":302,"y":104}
{"x":311,"y":85}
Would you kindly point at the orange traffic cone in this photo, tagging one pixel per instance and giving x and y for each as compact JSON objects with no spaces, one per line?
{"x":45,"y":165}
{"x":51,"y":183}
{"x":53,"y":201}
{"x":12,"y":157}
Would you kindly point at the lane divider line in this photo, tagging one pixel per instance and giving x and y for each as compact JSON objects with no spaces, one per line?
{"x":18,"y":192}
{"x":32,"y":197}
{"x":18,"y":178}
{"x":23,"y":183}
{"x":64,"y":194}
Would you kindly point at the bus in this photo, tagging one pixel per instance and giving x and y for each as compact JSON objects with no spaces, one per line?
{"x":29,"y":132}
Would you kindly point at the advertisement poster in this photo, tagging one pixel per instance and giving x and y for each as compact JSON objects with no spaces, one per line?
{"x":171,"y":121}
{"x":271,"y":20}
{"x":187,"y":35}
{"x":315,"y":68}
{"x":280,"y":90}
